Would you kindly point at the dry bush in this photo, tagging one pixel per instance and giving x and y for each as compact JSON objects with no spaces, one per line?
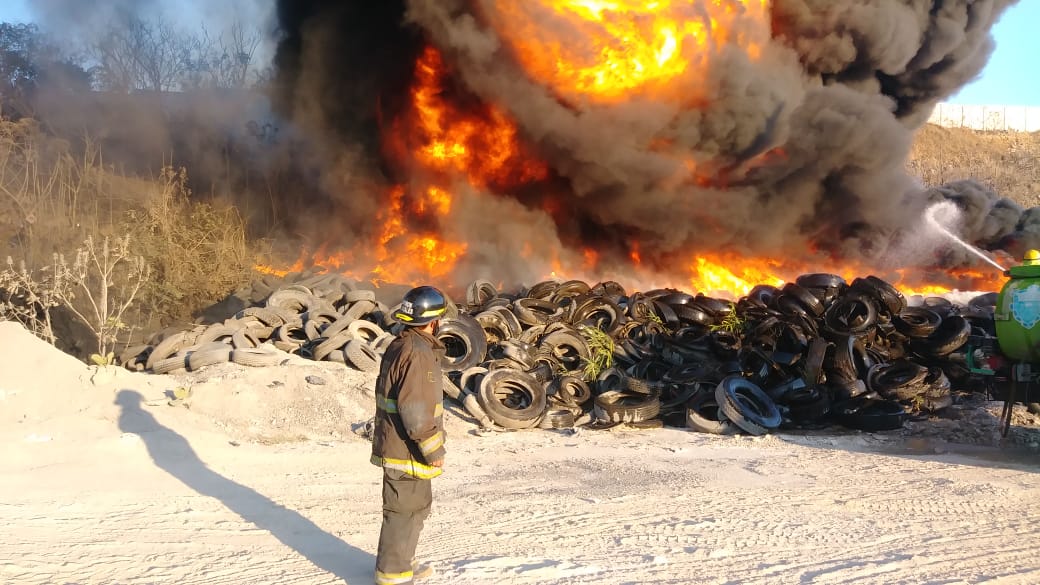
{"x":98,"y":288}
{"x":1007,"y":162}
{"x":198,"y":251}
{"x":43,"y":188}
{"x":51,"y":198}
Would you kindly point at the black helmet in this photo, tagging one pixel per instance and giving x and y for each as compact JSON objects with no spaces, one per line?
{"x":420,"y":306}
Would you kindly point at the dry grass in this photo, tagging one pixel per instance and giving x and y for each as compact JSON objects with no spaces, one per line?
{"x":198,"y":251}
{"x":52,"y":199}
{"x":1008,"y":162}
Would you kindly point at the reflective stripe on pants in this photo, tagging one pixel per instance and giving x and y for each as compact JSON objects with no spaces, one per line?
{"x":406,"y":505}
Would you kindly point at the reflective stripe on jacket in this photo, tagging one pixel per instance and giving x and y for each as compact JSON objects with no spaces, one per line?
{"x":409,"y":428}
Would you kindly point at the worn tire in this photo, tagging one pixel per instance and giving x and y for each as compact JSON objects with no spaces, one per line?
{"x":747,"y":405}
{"x":361,"y":356}
{"x":258,"y":357}
{"x":512,"y":399}
{"x":626,"y":407}
{"x":704,"y":416}
{"x":465,"y":343}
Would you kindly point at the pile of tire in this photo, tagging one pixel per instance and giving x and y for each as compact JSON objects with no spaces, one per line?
{"x":812,"y":353}
{"x":816,"y":352}
{"x":320,"y":317}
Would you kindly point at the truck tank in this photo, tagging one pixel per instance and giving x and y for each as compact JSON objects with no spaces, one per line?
{"x":1017,"y":314}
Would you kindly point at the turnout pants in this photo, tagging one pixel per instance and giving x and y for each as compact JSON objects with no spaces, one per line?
{"x":406,"y":505}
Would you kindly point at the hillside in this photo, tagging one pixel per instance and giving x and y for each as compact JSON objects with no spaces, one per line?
{"x":1004,"y":161}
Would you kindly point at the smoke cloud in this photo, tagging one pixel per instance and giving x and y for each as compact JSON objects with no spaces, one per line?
{"x":798,"y":151}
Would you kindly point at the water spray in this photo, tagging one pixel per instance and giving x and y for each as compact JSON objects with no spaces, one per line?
{"x":949,"y":212}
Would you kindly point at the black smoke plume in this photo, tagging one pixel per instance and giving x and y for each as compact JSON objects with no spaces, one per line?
{"x":800,"y":153}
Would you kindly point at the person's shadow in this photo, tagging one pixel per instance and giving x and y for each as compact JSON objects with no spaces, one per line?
{"x":172,"y":453}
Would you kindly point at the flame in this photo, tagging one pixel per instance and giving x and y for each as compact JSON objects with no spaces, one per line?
{"x":732,"y":276}
{"x":627,"y":47}
{"x":631,"y":49}
{"x":479,"y":143}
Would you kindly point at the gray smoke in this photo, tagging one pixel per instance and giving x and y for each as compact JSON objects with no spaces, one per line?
{"x":81,"y":23}
{"x":832,"y":102}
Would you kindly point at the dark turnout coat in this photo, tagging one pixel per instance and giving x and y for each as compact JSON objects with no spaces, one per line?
{"x":409,"y":427}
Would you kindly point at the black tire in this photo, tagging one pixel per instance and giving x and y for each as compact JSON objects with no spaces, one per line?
{"x":567,"y":345}
{"x":571,"y":390}
{"x":950,"y":336}
{"x":331,"y":344}
{"x":840,"y":363}
{"x":209,"y":354}
{"x":852,"y":314}
{"x":875,"y":415}
{"x":465,"y":343}
{"x":258,"y":357}
{"x":900,"y":380}
{"x":494,"y":325}
{"x":744,"y":403}
{"x":626,"y":407}
{"x":844,"y":390}
{"x":889,"y":298}
{"x":293,"y":300}
{"x":543,"y":290}
{"x":813,"y":364}
{"x":479,"y":293}
{"x":167,"y":348}
{"x":517,"y":351}
{"x":512,"y":399}
{"x":469,"y":379}
{"x":599,"y":312}
{"x":704,"y":416}
{"x":820,"y":280}
{"x":366,"y":331}
{"x":917,"y":322}
{"x":763,"y":295}
{"x":557,"y":418}
{"x":536,"y":312}
{"x":808,"y":405}
{"x":717,"y":307}
{"x":361,"y":356}
{"x":804,"y":297}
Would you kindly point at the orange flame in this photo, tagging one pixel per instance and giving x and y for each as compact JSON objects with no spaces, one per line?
{"x":628,"y":46}
{"x":633,"y":48}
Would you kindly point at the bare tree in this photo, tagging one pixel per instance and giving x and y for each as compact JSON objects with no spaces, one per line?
{"x":237,"y":50}
{"x":226,"y":60}
{"x":154,"y":55}
{"x":139,"y":54}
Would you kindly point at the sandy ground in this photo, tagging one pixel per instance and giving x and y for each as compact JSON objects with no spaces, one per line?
{"x":260,"y":479}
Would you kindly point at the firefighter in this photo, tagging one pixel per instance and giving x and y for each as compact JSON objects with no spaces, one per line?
{"x":1031,"y":258}
{"x":408,"y":441}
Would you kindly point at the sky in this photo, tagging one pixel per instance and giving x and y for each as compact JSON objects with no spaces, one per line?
{"x":1006,"y":80}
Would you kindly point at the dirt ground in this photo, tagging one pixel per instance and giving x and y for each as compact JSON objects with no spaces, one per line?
{"x":259,"y":477}
{"x":1007,"y":162}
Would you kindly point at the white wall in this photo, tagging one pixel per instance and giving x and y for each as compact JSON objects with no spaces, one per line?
{"x":1021,"y":118}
